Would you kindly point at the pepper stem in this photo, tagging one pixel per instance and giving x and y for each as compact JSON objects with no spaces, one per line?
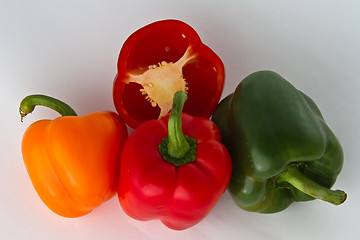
{"x":298,"y":180}
{"x":177,"y":148}
{"x":29,"y":103}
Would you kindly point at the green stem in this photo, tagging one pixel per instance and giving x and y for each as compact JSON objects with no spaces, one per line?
{"x":177,"y":148}
{"x":29,"y":103}
{"x":297,"y":179}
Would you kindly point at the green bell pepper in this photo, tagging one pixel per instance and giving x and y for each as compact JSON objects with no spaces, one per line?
{"x":282,"y":150}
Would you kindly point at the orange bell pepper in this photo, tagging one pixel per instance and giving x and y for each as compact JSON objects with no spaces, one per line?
{"x":72,"y":161}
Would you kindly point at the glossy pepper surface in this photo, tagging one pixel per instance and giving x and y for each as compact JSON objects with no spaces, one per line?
{"x":281,"y":147}
{"x":170,"y":176}
{"x":72,"y":161}
{"x":160,"y":59}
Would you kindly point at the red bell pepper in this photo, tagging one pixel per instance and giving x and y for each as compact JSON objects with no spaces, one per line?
{"x":160,"y":59}
{"x":168,"y":176}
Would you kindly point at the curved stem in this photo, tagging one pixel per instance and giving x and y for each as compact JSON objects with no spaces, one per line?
{"x":28,"y":104}
{"x":177,"y":146}
{"x":298,"y":180}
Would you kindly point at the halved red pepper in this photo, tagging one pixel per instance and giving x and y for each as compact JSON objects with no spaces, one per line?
{"x":160,"y":59}
{"x":170,"y":176}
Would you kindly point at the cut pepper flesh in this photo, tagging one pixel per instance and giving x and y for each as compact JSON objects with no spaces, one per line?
{"x":160,"y":82}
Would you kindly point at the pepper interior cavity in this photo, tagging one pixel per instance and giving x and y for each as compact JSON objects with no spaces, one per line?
{"x":160,"y":82}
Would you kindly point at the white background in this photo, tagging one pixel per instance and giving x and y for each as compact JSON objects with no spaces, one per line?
{"x":68,"y":49}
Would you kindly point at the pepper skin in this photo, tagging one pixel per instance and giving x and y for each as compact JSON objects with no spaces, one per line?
{"x":72,"y":161}
{"x":282,"y":150}
{"x":160,"y":59}
{"x":158,"y":180}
